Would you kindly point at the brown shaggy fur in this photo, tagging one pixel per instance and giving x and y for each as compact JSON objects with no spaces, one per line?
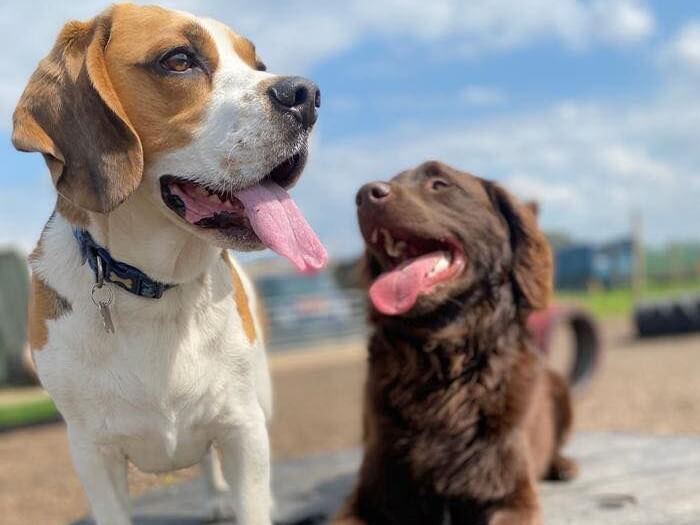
{"x":462,"y":417}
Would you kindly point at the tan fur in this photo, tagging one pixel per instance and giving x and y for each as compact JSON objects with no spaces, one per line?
{"x":245,"y":49}
{"x":44,"y":304}
{"x":38,"y":250}
{"x":165,"y":111}
{"x":110,"y":120}
{"x":70,"y":113}
{"x":72,"y":213}
{"x":241,"y":300}
{"x":71,"y":76}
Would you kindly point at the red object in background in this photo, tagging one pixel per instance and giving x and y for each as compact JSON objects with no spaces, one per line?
{"x":587,"y":350}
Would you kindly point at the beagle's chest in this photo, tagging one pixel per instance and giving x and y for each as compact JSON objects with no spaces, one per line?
{"x":159,"y":387}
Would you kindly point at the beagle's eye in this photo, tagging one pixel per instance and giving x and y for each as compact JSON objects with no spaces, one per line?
{"x":438,"y":183}
{"x":177,"y":62}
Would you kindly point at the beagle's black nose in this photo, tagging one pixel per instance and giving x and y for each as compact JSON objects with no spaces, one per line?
{"x":374,"y":192}
{"x":298,"y":96}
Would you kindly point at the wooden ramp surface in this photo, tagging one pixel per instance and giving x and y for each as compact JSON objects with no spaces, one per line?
{"x":625,"y":479}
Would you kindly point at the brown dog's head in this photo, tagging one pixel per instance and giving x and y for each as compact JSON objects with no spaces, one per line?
{"x":435,"y":234}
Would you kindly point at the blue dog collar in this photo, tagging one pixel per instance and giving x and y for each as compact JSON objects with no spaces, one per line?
{"x":123,"y":275}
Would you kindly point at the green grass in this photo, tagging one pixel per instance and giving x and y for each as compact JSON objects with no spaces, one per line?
{"x":27,"y":412}
{"x":602,"y":303}
{"x":617,"y":303}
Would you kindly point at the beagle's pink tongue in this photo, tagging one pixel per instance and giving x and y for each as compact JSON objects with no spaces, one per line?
{"x":395,"y":292}
{"x":281,"y":226}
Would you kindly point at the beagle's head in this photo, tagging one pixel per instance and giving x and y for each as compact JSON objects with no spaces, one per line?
{"x":183,"y":109}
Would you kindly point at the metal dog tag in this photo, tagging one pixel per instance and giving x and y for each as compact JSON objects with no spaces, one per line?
{"x":103,"y":301}
{"x":103,"y":305}
{"x":106,"y":317}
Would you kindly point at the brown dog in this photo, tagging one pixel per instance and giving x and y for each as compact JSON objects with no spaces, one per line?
{"x":462,"y":417}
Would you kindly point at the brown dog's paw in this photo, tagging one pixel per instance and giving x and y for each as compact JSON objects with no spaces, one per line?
{"x":562,"y":469}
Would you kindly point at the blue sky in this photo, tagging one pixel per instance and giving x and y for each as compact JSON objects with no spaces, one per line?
{"x":589,"y":106}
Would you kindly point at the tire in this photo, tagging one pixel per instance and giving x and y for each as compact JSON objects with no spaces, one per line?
{"x":668,"y":318}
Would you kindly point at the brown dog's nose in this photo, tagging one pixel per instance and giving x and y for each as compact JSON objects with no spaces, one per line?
{"x":374,"y":192}
{"x":298,"y":96}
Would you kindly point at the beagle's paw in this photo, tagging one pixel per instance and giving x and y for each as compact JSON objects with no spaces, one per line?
{"x":219,"y":508}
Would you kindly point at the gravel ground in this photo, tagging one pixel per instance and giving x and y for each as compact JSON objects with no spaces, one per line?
{"x":644,"y":386}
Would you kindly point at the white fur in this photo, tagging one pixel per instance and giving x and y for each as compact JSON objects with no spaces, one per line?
{"x":179,"y":374}
{"x":240,"y":127}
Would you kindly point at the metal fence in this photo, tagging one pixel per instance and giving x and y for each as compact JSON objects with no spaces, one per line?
{"x":327,"y":316}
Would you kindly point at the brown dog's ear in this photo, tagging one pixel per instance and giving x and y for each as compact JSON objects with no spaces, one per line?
{"x":532,"y":256}
{"x":534,"y":207}
{"x":70,"y":113}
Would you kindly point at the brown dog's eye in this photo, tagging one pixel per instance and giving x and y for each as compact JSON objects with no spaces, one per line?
{"x":438,"y":184}
{"x":177,"y":62}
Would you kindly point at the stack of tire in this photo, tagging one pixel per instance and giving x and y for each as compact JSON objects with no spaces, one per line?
{"x":677,"y":316}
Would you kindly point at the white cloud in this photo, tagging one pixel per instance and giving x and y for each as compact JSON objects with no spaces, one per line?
{"x":622,"y":21}
{"x":293,"y":36}
{"x":635,"y":164}
{"x":589,"y":164}
{"x":684,"y":48}
{"x":533,"y":188}
{"x":483,"y":96}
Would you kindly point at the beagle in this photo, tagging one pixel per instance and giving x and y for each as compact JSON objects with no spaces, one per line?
{"x":168,"y":144}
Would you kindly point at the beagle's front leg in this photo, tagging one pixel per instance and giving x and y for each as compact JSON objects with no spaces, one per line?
{"x":245,"y":459}
{"x":216,"y":490}
{"x":103,"y":474}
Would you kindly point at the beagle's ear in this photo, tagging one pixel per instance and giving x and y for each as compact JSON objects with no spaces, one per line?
{"x":532,"y":256}
{"x":70,"y":113}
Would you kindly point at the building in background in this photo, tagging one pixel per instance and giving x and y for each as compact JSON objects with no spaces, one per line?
{"x":585,"y":266}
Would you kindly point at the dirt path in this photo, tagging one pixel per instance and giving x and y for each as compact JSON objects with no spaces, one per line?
{"x":649,"y":386}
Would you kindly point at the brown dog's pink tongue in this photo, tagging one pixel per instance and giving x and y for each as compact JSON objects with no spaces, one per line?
{"x":281,"y":226}
{"x":395,"y":292}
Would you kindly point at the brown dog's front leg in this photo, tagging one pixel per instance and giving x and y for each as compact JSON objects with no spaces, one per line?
{"x":348,"y":513}
{"x":520,"y":508}
{"x":516,"y":517}
{"x":348,"y":520}
{"x":562,"y":469}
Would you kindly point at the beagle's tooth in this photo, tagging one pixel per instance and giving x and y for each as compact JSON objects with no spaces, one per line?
{"x":214,"y":198}
{"x":375,"y":236}
{"x":400,"y":247}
